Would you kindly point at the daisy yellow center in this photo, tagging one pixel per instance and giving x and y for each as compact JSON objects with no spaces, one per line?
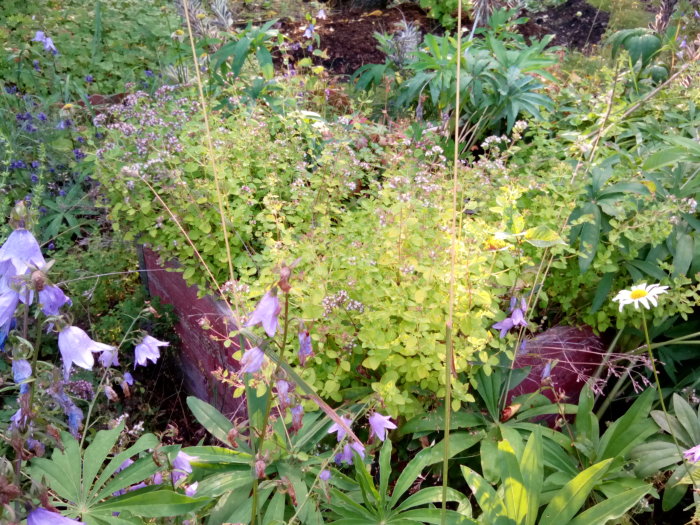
{"x":638,"y":294}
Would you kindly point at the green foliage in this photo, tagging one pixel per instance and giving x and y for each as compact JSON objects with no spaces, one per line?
{"x":499,"y":79}
{"x":114,"y":42}
{"x":86,"y":486}
{"x":291,"y":465}
{"x":681,"y":432}
{"x":360,"y":500}
{"x":518,"y":499}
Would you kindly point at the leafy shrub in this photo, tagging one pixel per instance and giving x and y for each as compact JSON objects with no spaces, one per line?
{"x":365,"y":215}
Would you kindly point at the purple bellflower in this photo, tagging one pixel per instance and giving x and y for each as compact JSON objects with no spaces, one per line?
{"x":325,"y":475}
{"x":297,"y":416}
{"x":22,"y":252}
{"x":335,"y":427}
{"x":283,"y":394}
{"x":309,"y":32}
{"x":191,"y":489}
{"x":692,"y":454}
{"x":182,"y":466}
{"x":379,"y":425}
{"x":517,"y":318}
{"x":266,"y":313}
{"x":51,"y":299}
{"x":21,"y":371}
{"x":40,"y":36}
{"x":41,"y":516}
{"x":76,"y":348}
{"x":346,"y":455}
{"x":109,"y":357}
{"x":8,"y":304}
{"x":305,"y":349}
{"x":252,"y":360}
{"x":128,"y":379}
{"x":147,"y":350}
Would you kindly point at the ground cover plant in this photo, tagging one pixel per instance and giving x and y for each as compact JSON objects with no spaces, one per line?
{"x":460,"y":286}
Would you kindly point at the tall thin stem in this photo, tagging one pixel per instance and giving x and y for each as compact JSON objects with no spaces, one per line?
{"x":449,"y":343}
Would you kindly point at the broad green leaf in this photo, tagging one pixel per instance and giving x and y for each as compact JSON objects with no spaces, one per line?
{"x":210,"y":418}
{"x":612,"y":508}
{"x":665,"y":157}
{"x":96,"y":454}
{"x":384,"y":470}
{"x":543,"y":237}
{"x":589,"y":237}
{"x":459,"y":442}
{"x":434,"y":516}
{"x":685,"y":248}
{"x":571,"y":497}
{"x":433,"y":495}
{"x":491,"y":505}
{"x":149,"y":503}
{"x":687,"y":417}
{"x":532,"y":471}
{"x":515,"y":495}
{"x":630,"y":430}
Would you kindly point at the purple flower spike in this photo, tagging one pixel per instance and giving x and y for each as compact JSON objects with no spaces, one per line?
{"x":266,"y":313}
{"x":41,"y":516}
{"x":76,"y":348}
{"x":335,"y":427}
{"x":692,"y":454}
{"x":252,"y":360}
{"x":379,"y":424}
{"x":51,"y":299}
{"x":21,"y":371}
{"x":305,"y":349}
{"x":147,"y":350}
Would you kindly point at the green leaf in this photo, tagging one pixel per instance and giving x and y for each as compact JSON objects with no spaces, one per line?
{"x":515,"y":495}
{"x":96,"y":453}
{"x":631,"y":429}
{"x":265,"y":61}
{"x":685,"y":247}
{"x":612,"y":508}
{"x":532,"y":472}
{"x":543,"y":237}
{"x":571,"y":497}
{"x":210,"y":418}
{"x":149,"y":503}
{"x":663,"y":158}
{"x":384,"y":470}
{"x":491,"y":504}
{"x":687,"y":417}
{"x":590,"y":236}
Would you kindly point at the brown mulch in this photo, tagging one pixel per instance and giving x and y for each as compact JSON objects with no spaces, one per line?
{"x":348,"y":36}
{"x":575,"y":24}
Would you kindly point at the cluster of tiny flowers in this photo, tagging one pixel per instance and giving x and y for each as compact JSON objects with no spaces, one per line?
{"x":341,"y":299}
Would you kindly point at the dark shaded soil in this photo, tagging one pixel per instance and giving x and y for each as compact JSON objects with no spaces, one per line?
{"x":348,"y":36}
{"x":575,"y":24}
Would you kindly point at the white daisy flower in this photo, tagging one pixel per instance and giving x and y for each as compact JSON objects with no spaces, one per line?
{"x":640,"y":294}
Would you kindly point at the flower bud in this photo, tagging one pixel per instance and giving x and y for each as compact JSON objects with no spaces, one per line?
{"x":38,"y":280}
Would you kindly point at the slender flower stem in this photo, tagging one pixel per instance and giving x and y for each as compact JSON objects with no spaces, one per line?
{"x":268,"y":410}
{"x":449,"y":343}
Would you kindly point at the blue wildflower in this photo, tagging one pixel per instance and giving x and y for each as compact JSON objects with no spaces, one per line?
{"x":47,"y":41}
{"x":35,"y":65}
{"x":325,"y":475}
{"x":51,"y":299}
{"x":148,"y":73}
{"x":78,"y":155}
{"x":35,"y":164}
{"x":17,"y":165}
{"x":147,"y":350}
{"x":309,"y":33}
{"x":76,"y":347}
{"x":305,"y":349}
{"x":89,"y":79}
{"x":42,"y":116}
{"x":252,"y":360}
{"x":340,"y":431}
{"x":266,"y":313}
{"x":21,"y":371}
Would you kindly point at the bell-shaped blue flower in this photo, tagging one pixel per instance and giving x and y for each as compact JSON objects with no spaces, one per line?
{"x":41,"y":516}
{"x":21,"y":371}
{"x":266,"y":313}
{"x":76,"y":348}
{"x":147,"y":350}
{"x":51,"y":299}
